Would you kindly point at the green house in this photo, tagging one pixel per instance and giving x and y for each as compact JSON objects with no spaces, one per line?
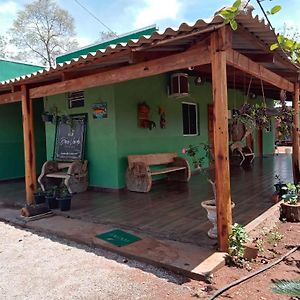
{"x":117,"y":79}
{"x":11,"y":135}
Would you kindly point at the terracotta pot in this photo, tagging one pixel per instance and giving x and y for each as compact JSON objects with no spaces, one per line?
{"x":251,"y":251}
{"x":210,"y":206}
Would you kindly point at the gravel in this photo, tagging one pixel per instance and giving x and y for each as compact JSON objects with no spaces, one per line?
{"x":33,"y":266}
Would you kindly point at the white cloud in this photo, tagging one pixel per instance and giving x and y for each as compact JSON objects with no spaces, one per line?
{"x":83,"y":41}
{"x":9,"y":7}
{"x":157,"y":10}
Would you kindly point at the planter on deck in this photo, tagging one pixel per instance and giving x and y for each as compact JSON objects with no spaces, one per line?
{"x":211,"y":208}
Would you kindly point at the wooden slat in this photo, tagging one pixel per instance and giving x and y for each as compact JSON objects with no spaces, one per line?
{"x":154,"y":67}
{"x":58,"y":175}
{"x":29,"y":145}
{"x":10,"y":97}
{"x":219,"y":44}
{"x":152,"y":159}
{"x":167,"y":170}
{"x":296,"y":145}
{"x":246,"y":65}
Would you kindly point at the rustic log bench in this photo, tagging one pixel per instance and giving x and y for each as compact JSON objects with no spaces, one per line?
{"x":74,"y":174}
{"x":139,"y":174}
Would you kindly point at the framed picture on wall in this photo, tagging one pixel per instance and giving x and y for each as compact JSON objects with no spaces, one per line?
{"x":100,"y":110}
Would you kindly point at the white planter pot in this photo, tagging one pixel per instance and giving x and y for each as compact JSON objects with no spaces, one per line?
{"x":210,"y":206}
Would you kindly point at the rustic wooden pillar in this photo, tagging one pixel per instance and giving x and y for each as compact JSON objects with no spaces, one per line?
{"x":296,"y":172}
{"x":29,"y":145}
{"x":220,"y":41}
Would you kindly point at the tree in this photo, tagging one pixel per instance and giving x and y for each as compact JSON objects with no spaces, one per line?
{"x":2,"y":46}
{"x":42,"y":31}
{"x":107,"y":35}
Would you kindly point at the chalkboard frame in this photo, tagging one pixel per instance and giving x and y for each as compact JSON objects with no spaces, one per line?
{"x":84,"y":117}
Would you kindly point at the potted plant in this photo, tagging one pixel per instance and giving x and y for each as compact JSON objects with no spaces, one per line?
{"x":279,"y":186}
{"x":50,"y":196}
{"x":39,"y":196}
{"x":290,"y":208}
{"x":64,"y":198}
{"x":51,"y":115}
{"x":211,"y":208}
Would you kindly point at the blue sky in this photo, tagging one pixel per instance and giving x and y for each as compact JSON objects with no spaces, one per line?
{"x":127,"y":15}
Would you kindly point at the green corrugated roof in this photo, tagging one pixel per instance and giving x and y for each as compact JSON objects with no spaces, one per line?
{"x":102,"y":45}
{"x":11,"y":69}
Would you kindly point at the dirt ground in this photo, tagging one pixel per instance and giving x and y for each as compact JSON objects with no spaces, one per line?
{"x":37,"y":267}
{"x":259,"y":287}
{"x":44,"y":267}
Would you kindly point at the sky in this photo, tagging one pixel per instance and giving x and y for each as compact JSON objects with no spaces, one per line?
{"x":127,"y":15}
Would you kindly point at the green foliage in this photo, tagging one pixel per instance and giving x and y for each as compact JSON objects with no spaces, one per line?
{"x":274,"y":10}
{"x":229,"y":14}
{"x":289,"y":45}
{"x":237,"y":239}
{"x":274,"y":237}
{"x":193,"y":152}
{"x":291,"y":196}
{"x":260,"y":245}
{"x":42,"y":31}
{"x":287,"y":287}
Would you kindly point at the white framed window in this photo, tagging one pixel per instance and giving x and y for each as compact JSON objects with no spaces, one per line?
{"x":190,"y":126}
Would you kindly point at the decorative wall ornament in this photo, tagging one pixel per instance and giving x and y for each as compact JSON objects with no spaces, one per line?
{"x":143,"y":116}
{"x":100,"y":110}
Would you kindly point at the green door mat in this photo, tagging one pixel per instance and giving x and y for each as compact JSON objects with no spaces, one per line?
{"x":118,"y":237}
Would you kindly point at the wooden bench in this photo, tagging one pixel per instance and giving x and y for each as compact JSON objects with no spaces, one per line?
{"x":139,"y":174}
{"x":74,"y":174}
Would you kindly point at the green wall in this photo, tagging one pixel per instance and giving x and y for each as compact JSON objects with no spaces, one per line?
{"x":101,"y":144}
{"x":11,"y":139}
{"x":110,"y":140}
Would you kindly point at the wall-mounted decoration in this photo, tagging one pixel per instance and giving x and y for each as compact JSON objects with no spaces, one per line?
{"x":143,"y":116}
{"x":162,"y":119}
{"x":100,"y":110}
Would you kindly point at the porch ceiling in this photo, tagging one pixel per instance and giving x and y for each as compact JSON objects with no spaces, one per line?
{"x":253,"y":39}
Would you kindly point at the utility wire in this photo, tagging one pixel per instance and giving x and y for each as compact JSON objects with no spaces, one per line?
{"x":95,"y":17}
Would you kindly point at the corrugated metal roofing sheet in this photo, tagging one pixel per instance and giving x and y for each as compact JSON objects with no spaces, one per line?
{"x":254,"y":25}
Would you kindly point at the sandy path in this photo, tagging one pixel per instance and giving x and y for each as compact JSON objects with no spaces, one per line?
{"x":36,"y":267}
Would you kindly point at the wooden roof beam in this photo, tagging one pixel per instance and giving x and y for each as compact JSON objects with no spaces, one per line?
{"x":191,"y":57}
{"x":250,"y":37}
{"x":10,"y":97}
{"x":243,"y":63}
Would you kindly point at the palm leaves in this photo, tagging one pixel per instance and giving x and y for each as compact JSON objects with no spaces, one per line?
{"x":287,"y":287}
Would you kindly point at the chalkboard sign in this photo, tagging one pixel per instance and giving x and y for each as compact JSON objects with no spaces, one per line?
{"x":70,"y":139}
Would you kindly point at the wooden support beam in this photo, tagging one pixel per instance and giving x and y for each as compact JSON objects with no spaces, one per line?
{"x":219,"y":43}
{"x":246,"y":65}
{"x":296,"y":144}
{"x":29,"y":145}
{"x":144,"y":69}
{"x":10,"y":97}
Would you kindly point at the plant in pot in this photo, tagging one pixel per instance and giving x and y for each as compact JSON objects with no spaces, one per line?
{"x":211,"y":208}
{"x":51,"y":115}
{"x":64,"y":198}
{"x":50,"y":196}
{"x":39,"y":196}
{"x":290,"y":208}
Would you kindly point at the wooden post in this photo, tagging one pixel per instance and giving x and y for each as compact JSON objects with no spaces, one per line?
{"x":296,"y":172}
{"x":220,"y":41}
{"x":29,"y":145}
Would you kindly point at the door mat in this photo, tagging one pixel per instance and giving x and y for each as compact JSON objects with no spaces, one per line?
{"x":118,"y":237}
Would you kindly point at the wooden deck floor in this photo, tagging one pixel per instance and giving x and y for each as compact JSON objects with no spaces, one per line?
{"x":173,"y":210}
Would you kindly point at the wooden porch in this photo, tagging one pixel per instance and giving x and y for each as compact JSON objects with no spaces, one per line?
{"x":172,"y":210}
